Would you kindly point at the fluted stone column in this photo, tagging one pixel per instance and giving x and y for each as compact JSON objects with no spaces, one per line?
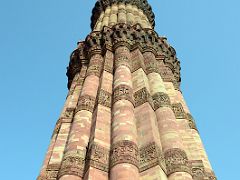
{"x":74,"y":158}
{"x":173,"y":149}
{"x":55,"y":151}
{"x":97,"y":160}
{"x":124,"y":150}
{"x":152,"y":164}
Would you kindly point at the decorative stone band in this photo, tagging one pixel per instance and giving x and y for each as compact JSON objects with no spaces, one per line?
{"x":191,"y":122}
{"x":142,"y":96}
{"x":198,"y":172}
{"x":123,"y":61}
{"x":123,"y":35}
{"x":72,"y":164}
{"x":150,"y":156}
{"x":86,"y":102}
{"x":176,"y":161}
{"x":152,"y":67}
{"x":95,"y":65}
{"x":105,"y":98}
{"x":101,"y":5}
{"x":49,"y":175}
{"x":179,"y":111}
{"x":161,"y":99}
{"x":124,"y":152}
{"x":123,"y":92}
{"x":98,"y":157}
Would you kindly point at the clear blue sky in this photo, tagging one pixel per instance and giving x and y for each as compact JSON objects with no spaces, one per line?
{"x":37,"y":37}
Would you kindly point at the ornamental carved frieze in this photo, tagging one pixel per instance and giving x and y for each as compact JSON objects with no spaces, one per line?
{"x":178,"y":111}
{"x":161,"y":99}
{"x":150,"y":156}
{"x":86,"y":102}
{"x":142,"y":96}
{"x":72,"y":164}
{"x":123,"y":92}
{"x":197,"y":168}
{"x":124,"y":152}
{"x":98,"y":157}
{"x":130,"y":37}
{"x":105,"y":98}
{"x":166,"y":74}
{"x":176,"y":161}
{"x":95,"y":65}
{"x":68,"y":113}
{"x":191,"y":122}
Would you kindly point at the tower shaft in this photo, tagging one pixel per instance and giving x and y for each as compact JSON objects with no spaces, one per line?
{"x":125,"y":117}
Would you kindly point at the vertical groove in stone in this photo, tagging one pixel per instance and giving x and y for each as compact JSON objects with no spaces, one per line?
{"x":175,"y":157}
{"x":150,"y":150}
{"x":74,"y":158}
{"x":121,"y":13}
{"x":124,"y":150}
{"x":97,"y":159}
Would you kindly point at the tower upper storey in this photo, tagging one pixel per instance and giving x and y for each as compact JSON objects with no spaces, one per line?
{"x":111,"y":12}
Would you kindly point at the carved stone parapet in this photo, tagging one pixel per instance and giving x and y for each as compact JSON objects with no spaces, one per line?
{"x":98,"y":157}
{"x":123,"y":92}
{"x":86,"y":102}
{"x":105,"y":98}
{"x":176,"y":161}
{"x":95,"y":65}
{"x":152,"y":67}
{"x":72,"y":164}
{"x":124,"y":152}
{"x":198,"y":171}
{"x":150,"y":156}
{"x":161,"y":99}
{"x":191,"y":122}
{"x":142,"y":96}
{"x":178,"y":111}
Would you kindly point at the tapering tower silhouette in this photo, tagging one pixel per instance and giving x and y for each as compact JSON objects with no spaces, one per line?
{"x":125,"y":117}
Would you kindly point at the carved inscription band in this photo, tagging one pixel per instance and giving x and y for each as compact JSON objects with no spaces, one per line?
{"x":105,"y":98}
{"x":98,"y":157}
{"x":123,"y":92}
{"x":161,"y":99}
{"x":86,"y":103}
{"x":142,"y":96}
{"x":150,"y":156}
{"x":124,"y":152}
{"x":178,"y":111}
{"x":176,"y":161}
{"x":72,"y":164}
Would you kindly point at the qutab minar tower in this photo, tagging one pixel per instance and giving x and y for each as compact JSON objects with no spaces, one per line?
{"x":125,"y":117}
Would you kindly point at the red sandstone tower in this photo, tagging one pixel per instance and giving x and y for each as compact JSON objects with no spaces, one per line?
{"x":125,"y":117}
